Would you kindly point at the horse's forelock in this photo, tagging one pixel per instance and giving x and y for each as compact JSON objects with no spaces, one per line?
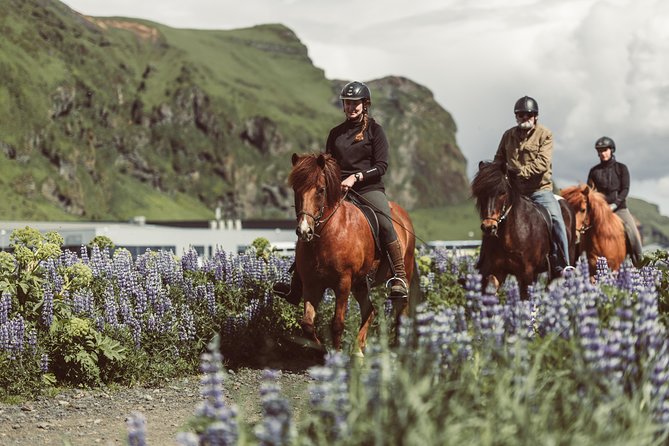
{"x":306,"y":173}
{"x":489,"y":182}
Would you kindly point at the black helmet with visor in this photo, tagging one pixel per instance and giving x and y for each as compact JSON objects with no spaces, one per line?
{"x":354,"y":91}
{"x":604,"y":143}
{"x":526,"y":104}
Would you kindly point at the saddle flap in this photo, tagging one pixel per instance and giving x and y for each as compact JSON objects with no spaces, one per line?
{"x":372,"y":220}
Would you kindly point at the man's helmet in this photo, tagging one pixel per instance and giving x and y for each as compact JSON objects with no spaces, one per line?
{"x":355,"y":90}
{"x":526,"y":104}
{"x":605,"y":142}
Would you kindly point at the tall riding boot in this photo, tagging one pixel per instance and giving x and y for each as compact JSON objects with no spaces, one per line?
{"x":398,"y":288}
{"x":293,"y":292}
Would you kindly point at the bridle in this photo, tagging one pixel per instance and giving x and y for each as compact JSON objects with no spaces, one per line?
{"x":318,"y":218}
{"x":506,"y":208}
{"x":585,"y":226}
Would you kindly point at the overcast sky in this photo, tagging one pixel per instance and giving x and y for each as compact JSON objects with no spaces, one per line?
{"x":596,"y":67}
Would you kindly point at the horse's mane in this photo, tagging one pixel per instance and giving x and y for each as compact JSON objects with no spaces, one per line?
{"x":490,"y":181}
{"x":602,"y":218}
{"x":306,"y":172}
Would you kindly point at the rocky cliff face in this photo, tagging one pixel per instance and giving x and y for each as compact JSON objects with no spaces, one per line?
{"x":110,"y":118}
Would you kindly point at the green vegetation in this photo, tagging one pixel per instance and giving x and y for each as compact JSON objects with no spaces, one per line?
{"x":457,"y":222}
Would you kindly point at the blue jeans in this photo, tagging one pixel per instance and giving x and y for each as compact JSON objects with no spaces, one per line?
{"x":560,"y":245}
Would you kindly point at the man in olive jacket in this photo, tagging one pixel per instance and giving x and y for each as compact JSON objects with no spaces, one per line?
{"x":527,"y":151}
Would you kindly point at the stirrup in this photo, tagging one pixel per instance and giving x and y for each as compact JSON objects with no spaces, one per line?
{"x":397,"y":294}
{"x":567,"y":270}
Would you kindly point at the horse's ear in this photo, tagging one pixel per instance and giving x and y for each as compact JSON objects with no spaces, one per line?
{"x":294,"y":158}
{"x":321,"y":161}
{"x":586,"y":190}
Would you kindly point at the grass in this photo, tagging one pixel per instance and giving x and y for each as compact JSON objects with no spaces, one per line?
{"x":457,"y":222}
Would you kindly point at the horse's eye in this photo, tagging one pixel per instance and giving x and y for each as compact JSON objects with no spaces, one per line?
{"x":321,"y":190}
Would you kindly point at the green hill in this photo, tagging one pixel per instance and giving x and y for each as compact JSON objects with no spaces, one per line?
{"x":107,"y":118}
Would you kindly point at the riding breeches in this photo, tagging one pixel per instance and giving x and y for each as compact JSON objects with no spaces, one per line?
{"x":379,"y":202}
{"x":632,"y":234}
{"x":560,"y":243}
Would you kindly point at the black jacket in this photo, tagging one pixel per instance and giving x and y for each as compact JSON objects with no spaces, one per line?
{"x":612,"y":179}
{"x":369,"y":156}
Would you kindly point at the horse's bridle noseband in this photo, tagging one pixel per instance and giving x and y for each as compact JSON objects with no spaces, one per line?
{"x":318,"y":218}
{"x":505,"y":213}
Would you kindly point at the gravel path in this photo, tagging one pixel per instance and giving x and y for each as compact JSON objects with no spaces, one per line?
{"x":90,"y":417}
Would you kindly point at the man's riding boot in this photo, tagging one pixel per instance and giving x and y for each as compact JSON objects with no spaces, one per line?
{"x":398,"y":288}
{"x":292,"y":293}
{"x":559,"y":266}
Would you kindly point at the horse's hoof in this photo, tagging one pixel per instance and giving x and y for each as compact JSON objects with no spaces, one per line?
{"x":358,"y":354}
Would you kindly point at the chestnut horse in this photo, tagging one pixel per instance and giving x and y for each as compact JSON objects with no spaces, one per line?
{"x":335,"y":247}
{"x":600,"y":233}
{"x":516,"y":234}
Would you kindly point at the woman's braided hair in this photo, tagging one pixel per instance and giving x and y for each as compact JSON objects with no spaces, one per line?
{"x":365,"y":121}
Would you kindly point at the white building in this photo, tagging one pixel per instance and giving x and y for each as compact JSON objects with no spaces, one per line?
{"x":139,"y":236}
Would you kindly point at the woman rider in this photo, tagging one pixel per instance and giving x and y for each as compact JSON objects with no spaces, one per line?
{"x":360,"y":147}
{"x":612,"y":178}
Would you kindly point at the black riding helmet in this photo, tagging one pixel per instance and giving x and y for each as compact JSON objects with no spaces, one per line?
{"x":604,"y":143}
{"x":526,"y":104}
{"x":356,"y":90}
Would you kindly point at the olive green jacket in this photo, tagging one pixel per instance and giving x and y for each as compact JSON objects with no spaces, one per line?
{"x":531,"y":154}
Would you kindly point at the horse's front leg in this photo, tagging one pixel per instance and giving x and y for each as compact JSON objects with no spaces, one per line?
{"x":367,"y":313}
{"x":311,"y":297}
{"x":490,"y":283}
{"x":342,"y":292}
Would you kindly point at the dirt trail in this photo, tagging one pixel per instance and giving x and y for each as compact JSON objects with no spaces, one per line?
{"x":90,"y":417}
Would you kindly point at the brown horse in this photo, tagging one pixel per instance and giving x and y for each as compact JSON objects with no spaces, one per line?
{"x":336,"y":249}
{"x":516,"y":233}
{"x":600,"y":233}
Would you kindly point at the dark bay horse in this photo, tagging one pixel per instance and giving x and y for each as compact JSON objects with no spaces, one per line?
{"x":335,"y":247}
{"x":516,"y":234}
{"x":600,"y":232}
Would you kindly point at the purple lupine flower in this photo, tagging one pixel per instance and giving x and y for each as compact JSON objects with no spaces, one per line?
{"x":47,"y":304}
{"x":223,"y":429}
{"x":52,"y":276}
{"x":136,"y":429}
{"x":68,"y":258}
{"x":275,"y":429}
{"x":210,"y":296}
{"x":659,"y":380}
{"x":82,"y":302}
{"x":329,"y":393}
{"x":32,"y":339}
{"x":187,"y":330}
{"x":603,"y":274}
{"x":44,"y":363}
{"x":189,"y":260}
{"x":5,"y":307}
{"x":110,"y":307}
{"x":83,"y":252}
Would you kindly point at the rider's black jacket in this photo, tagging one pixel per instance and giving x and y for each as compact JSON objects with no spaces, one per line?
{"x":612,"y":179}
{"x":369,"y":156}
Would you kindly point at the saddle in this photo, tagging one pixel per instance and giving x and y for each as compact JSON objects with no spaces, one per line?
{"x":372,"y":220}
